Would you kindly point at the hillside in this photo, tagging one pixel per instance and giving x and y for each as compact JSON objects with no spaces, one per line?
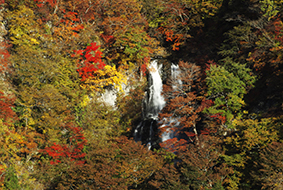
{"x":79,"y":107}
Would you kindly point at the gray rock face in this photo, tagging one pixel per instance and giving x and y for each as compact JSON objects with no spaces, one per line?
{"x":109,"y":97}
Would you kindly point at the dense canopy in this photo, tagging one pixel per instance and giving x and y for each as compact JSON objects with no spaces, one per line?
{"x":58,"y":58}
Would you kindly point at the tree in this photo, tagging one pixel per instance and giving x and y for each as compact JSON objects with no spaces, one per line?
{"x":184,"y":96}
{"x":270,"y":8}
{"x":255,"y":41}
{"x":5,"y":55}
{"x":173,"y":20}
{"x":119,"y":164}
{"x":28,"y":33}
{"x":100,"y":121}
{"x":269,"y":174}
{"x":226,"y":86}
{"x":123,"y":21}
{"x":19,"y":145}
{"x":168,"y":176}
{"x":119,"y":24}
{"x":202,"y":166}
{"x":45,"y":82}
{"x":130,"y":106}
{"x":265,"y":58}
{"x":95,"y":75}
{"x":244,"y":146}
{"x":73,"y":150}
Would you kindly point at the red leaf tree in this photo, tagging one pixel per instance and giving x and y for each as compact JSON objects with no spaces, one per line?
{"x":90,"y":60}
{"x":73,"y":151}
{"x":6,"y":105}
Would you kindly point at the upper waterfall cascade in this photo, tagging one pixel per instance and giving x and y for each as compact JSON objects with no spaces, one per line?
{"x":154,"y":101}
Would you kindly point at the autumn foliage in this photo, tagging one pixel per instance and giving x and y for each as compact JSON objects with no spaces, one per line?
{"x":4,"y":57}
{"x":62,"y":60}
{"x":72,"y":151}
{"x":90,"y":61}
{"x":184,"y":102}
{"x":6,"y":105}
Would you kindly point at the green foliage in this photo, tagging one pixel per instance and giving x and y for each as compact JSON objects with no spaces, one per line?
{"x":11,"y":181}
{"x":226,"y":86}
{"x":238,"y":42}
{"x":135,"y":43}
{"x":47,"y":86}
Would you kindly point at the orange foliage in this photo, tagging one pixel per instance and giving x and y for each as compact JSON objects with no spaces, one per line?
{"x":115,"y":165}
{"x":68,"y":25}
{"x":184,"y":102}
{"x":171,"y":36}
{"x":6,"y":105}
{"x":269,"y":46}
{"x":174,"y":145}
{"x":201,"y":164}
{"x":41,"y":3}
{"x":4,"y":57}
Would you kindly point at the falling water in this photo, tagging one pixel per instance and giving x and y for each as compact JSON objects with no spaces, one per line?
{"x":175,"y":72}
{"x":147,"y":130}
{"x":173,"y":122}
{"x":153,"y":103}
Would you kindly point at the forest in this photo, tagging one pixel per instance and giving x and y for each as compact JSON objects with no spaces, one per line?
{"x":58,"y":58}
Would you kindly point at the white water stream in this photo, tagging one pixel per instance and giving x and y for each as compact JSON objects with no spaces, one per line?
{"x":154,"y":102}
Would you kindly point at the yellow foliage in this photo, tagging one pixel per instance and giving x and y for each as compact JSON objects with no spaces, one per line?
{"x":85,"y":101}
{"x":254,"y":133}
{"x":23,"y":27}
{"x":27,"y":117}
{"x":109,"y":76}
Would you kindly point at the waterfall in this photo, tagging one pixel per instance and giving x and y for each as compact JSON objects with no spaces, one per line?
{"x":175,"y":72}
{"x":153,"y":103}
{"x":147,"y":130}
{"x":168,"y":134}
